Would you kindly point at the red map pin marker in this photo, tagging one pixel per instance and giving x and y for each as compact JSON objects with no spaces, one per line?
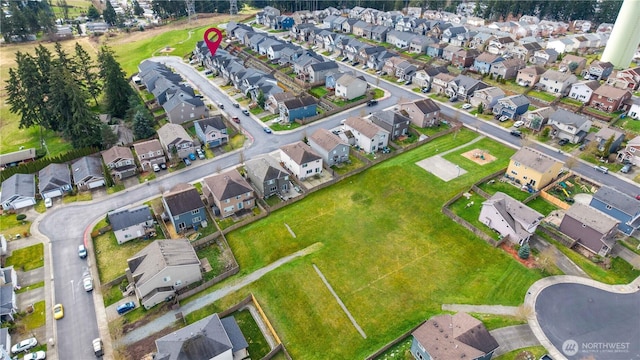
{"x":213,"y":44}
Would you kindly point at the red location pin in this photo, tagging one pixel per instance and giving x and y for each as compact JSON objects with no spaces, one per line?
{"x":213,"y":44}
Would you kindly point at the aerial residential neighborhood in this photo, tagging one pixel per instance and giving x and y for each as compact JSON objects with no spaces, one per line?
{"x":340,"y":180}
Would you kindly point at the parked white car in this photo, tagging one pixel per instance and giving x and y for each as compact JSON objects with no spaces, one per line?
{"x":518,"y":123}
{"x":24,"y":345}
{"x":466,"y":106}
{"x":38,"y":355}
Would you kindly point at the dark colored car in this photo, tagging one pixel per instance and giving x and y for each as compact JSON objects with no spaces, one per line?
{"x":236,"y":105}
{"x":236,"y":119}
{"x":126,"y":307}
{"x":516,"y":133}
{"x":372,"y":102}
{"x":563,"y":142}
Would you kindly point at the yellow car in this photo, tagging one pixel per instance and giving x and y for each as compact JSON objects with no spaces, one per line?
{"x":58,"y":311}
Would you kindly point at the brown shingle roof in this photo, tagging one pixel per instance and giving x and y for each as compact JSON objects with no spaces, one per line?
{"x":115,"y":153}
{"x":325,"y":139}
{"x":427,"y":106}
{"x":300,"y":152}
{"x":363,"y":126}
{"x":610,"y":92}
{"x":227,"y":185}
{"x":148,"y":146}
{"x":534,"y":159}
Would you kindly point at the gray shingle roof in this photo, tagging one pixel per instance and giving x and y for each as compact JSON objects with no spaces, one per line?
{"x":563,"y":116}
{"x":85,"y":168}
{"x":158,"y":255}
{"x":120,"y":219}
{"x":325,"y":139}
{"x":53,"y":176}
{"x":617,"y":200}
{"x":390,"y":117}
{"x":592,"y":217}
{"x":534,"y":159}
{"x":227,"y":185}
{"x":427,"y":106}
{"x":300,"y":153}
{"x":183,"y":198}
{"x":214,"y":122}
{"x":266,"y":168}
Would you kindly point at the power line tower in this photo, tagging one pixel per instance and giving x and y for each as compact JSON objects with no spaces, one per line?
{"x":191,"y":9}
{"x":233,"y":7}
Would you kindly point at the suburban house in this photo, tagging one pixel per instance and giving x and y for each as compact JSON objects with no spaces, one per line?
{"x":298,"y":108}
{"x":488,"y":97}
{"x":464,"y":58}
{"x":228,"y":193}
{"x":441,"y":82}
{"x":570,"y":61}
{"x":634,"y":107}
{"x":625,"y":79}
{"x":87,"y":173}
{"x":526,"y":51}
{"x":130,"y":224}
{"x":175,"y":141}
{"x":184,"y":207}
{"x":598,"y":70}
{"x":329,"y":146}
{"x":583,"y":90}
{"x":536,"y":119}
{"x":618,"y":205}
{"x":211,"y":338}
{"x":8,"y":298}
{"x":149,"y":152}
{"x":54,"y":180}
{"x":608,"y":98}
{"x":350,"y":87}
{"x":568,"y":125}
{"x":507,"y":69}
{"x":458,"y":336}
{"x":510,"y":218}
{"x":545,"y":56}
{"x":463,"y":87}
{"x":318,"y":71}
{"x":556,"y":82}
{"x":268,"y":176}
{"x":367,"y":136}
{"x":423,"y":113}
{"x":17,"y":157}
{"x":162,"y":268}
{"x":631,"y":152}
{"x":272,"y":104}
{"x":603,"y":136}
{"x":394,"y":122}
{"x":212,"y":131}
{"x":532,"y":169}
{"x":591,"y":228}
{"x":529,"y":76}
{"x":512,"y":106}
{"x":182,"y":107}
{"x":300,"y":160}
{"x":562,"y":45}
{"x":501,"y":45}
{"x":120,"y":162}
{"x":484,"y":61}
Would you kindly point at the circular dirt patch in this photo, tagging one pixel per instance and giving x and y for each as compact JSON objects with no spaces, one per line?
{"x":479,"y":156}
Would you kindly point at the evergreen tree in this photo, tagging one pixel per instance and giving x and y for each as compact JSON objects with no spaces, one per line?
{"x":524,"y":251}
{"x":480,"y":108}
{"x":87,"y":72}
{"x":93,"y":13}
{"x":109,"y":14}
{"x":137,"y":9}
{"x":25,"y":92}
{"x":115,"y":85}
{"x":142,"y":125}
{"x":261,"y":99}
{"x":107,"y":136}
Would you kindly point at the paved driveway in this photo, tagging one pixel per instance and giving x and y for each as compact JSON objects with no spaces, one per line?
{"x":513,"y":337}
{"x":585,"y":322}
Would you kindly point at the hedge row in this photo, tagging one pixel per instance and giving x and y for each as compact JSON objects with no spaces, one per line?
{"x":34,"y":166}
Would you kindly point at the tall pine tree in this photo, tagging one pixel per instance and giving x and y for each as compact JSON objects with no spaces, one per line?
{"x":115,"y":85}
{"x":87,"y":72}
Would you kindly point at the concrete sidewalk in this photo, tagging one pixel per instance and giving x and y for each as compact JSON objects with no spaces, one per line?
{"x":483,"y":309}
{"x":513,"y":338}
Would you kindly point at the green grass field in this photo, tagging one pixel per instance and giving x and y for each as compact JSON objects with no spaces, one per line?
{"x":28,"y":258}
{"x":388,"y":252}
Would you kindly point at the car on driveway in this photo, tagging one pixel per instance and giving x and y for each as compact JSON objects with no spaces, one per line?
{"x":155,"y":167}
{"x":82,"y":251}
{"x":48,"y":202}
{"x":563,"y":142}
{"x":503,"y":118}
{"x":24,"y":345}
{"x":267,"y":130}
{"x":626,"y":168}
{"x":38,"y":355}
{"x":466,"y":106}
{"x":518,"y":123}
{"x":126,"y":307}
{"x":245,"y":111}
{"x":200,"y":153}
{"x":192,"y":157}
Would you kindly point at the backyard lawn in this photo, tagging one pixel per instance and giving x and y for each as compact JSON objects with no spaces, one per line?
{"x":28,"y":258}
{"x":387,"y":250}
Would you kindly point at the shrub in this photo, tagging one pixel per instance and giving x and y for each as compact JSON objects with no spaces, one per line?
{"x":21,"y":217}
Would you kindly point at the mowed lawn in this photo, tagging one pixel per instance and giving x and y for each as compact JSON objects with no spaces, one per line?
{"x":388,"y":252}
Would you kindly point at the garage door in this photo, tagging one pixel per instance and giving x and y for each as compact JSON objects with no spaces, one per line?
{"x":23,"y":203}
{"x":95,"y":184}
{"x":52,"y":194}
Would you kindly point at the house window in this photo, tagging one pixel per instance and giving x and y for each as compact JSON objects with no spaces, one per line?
{"x":515,"y":163}
{"x":227,"y":201}
{"x":196,"y":219}
{"x":609,"y":207}
{"x":196,"y":211}
{"x":167,"y":278}
{"x":304,"y":165}
{"x":309,"y":171}
{"x":238,"y":197}
{"x":240,"y":205}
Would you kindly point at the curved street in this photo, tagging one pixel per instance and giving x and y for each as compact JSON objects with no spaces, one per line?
{"x":66,"y":226}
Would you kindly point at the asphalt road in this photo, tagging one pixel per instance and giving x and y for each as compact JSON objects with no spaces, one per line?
{"x":65,"y":226}
{"x":584,"y":322}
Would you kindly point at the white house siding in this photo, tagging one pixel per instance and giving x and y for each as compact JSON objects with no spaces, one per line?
{"x":169,"y":276}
